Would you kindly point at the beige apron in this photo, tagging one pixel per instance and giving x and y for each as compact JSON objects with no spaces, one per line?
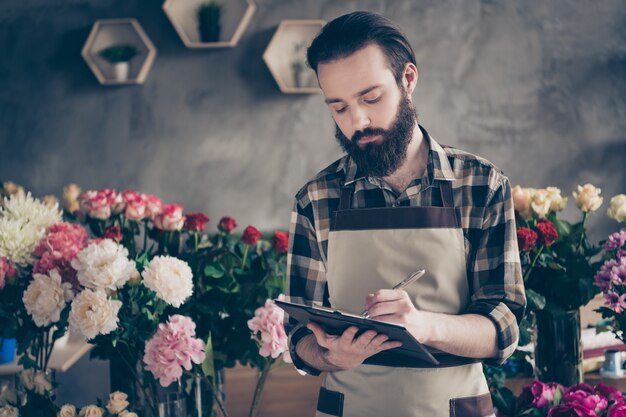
{"x":374,"y":248}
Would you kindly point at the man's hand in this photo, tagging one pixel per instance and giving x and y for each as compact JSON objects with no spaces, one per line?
{"x":347,"y":352}
{"x":395,"y":306}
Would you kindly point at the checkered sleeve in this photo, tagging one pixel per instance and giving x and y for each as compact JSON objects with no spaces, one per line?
{"x":498,"y":287}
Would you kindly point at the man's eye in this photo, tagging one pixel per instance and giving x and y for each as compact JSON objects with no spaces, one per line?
{"x":341,"y":110}
{"x":373,"y":100}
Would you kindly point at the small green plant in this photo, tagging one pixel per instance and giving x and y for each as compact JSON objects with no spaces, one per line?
{"x":119,"y":53}
{"x":209,"y":21}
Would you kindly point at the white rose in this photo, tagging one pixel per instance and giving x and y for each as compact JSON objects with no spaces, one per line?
{"x":103,"y":265}
{"x":45,"y":297}
{"x":127,"y":413}
{"x":588,"y":198}
{"x":557,"y":202}
{"x":521,"y":201}
{"x":42,"y":382}
{"x":91,"y":411}
{"x":540,"y":202}
{"x":93,"y":313}
{"x":170,"y":278}
{"x":27,"y":378}
{"x":68,"y":410}
{"x":617,"y":210}
{"x":117,"y":402}
{"x":9,"y":411}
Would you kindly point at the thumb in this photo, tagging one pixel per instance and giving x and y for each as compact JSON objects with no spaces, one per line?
{"x":319,"y":333}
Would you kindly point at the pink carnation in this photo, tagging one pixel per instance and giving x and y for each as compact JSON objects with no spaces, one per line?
{"x":6,"y":271}
{"x":267,"y":324}
{"x":99,"y":204}
{"x":154,"y":206}
{"x":172,"y":348}
{"x":135,"y":205}
{"x":171,"y":218}
{"x":58,"y":248}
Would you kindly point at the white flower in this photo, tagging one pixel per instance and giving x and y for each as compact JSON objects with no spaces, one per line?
{"x":93,"y":313}
{"x":91,"y":411}
{"x":521,"y":201}
{"x":540,"y":202}
{"x":27,"y":378}
{"x":557,"y":202}
{"x":617,"y":210}
{"x":68,"y":410}
{"x":9,"y":411}
{"x":31,"y":210}
{"x":588,"y":198}
{"x":36,"y":381}
{"x":8,"y":396}
{"x":127,"y":413}
{"x":103,"y":265}
{"x":117,"y":402}
{"x":45,"y":297}
{"x":170,"y":278}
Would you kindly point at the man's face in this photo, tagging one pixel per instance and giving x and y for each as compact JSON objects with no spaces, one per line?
{"x":374,"y":117}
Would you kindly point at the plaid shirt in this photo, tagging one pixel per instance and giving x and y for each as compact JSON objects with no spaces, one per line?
{"x":480,"y":190}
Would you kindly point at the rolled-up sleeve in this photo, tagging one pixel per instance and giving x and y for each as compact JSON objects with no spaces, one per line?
{"x":496,"y":274}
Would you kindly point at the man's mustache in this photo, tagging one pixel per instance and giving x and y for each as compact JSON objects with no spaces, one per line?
{"x":369,"y":131}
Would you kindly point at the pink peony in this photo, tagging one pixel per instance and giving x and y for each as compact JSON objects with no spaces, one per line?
{"x":172,"y":348}
{"x":596,"y":403}
{"x":58,"y":248}
{"x":615,"y":240}
{"x":571,"y":410}
{"x":617,"y":410}
{"x":135,"y":205}
{"x":268,"y":322}
{"x":6,"y":271}
{"x":154,"y":206}
{"x":608,"y":392}
{"x":171,"y":218}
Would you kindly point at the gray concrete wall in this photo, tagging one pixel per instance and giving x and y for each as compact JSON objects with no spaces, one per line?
{"x":539,"y":88}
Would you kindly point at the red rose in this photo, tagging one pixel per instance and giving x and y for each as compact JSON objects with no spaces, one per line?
{"x":250,"y":236}
{"x":526,"y":239}
{"x":547,"y":232}
{"x":195,"y":222}
{"x":113,"y":233}
{"x":227,"y":224}
{"x":281,"y":241}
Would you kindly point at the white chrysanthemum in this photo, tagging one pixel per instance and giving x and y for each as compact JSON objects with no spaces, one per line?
{"x":31,"y":210}
{"x":170,"y":278}
{"x":45,"y":297}
{"x":103,"y":265}
{"x":93,"y":313}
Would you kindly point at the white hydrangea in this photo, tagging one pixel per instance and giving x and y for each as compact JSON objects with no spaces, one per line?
{"x":93,"y":313}
{"x":170,"y":278}
{"x":45,"y":297}
{"x":103,"y":265}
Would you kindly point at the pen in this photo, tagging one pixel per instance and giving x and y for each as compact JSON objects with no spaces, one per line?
{"x":402,"y":284}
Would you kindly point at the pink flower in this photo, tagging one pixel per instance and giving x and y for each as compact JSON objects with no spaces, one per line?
{"x":135,"y":205}
{"x":615,"y":240}
{"x":613,"y":272}
{"x":171,"y":218}
{"x":571,"y":410}
{"x":267,"y":324}
{"x":617,"y":410}
{"x":587,"y":399}
{"x":615,"y":301}
{"x":98,"y":204}
{"x":58,"y":248}
{"x":6,"y":271}
{"x":195,"y":222}
{"x":608,"y":392}
{"x":539,"y":394}
{"x":154,"y":206}
{"x":172,"y":348}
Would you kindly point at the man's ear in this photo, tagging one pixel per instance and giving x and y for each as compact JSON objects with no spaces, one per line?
{"x":410,"y":77}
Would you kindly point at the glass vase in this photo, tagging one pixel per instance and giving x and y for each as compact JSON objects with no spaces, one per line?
{"x":558,"y":354}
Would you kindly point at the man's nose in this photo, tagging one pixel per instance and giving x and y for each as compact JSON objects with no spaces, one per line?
{"x":360,"y":119}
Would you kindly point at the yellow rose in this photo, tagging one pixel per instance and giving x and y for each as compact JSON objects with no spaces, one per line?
{"x":126,"y":413}
{"x":71,"y":192}
{"x":50,"y":200}
{"x":521,"y":201}
{"x":617,"y":210}
{"x":540,"y":202}
{"x":557,"y":202}
{"x":91,"y":411}
{"x":588,"y":198}
{"x":117,"y":402}
{"x":67,"y":410}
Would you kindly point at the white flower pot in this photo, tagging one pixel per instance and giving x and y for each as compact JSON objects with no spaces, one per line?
{"x":120,"y":71}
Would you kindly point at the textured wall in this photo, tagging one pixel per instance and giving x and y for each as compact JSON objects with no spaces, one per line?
{"x":540,"y":91}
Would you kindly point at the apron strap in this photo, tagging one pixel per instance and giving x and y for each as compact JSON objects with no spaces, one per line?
{"x":345,"y":199}
{"x":446,"y":194}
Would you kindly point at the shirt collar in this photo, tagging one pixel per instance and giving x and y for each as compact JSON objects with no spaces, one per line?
{"x":438,"y":166}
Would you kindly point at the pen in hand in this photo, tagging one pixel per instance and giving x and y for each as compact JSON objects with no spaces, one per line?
{"x":402,"y":284}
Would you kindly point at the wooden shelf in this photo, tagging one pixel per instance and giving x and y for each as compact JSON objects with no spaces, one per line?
{"x":288,"y":45}
{"x":109,"y":32}
{"x":234,"y":20}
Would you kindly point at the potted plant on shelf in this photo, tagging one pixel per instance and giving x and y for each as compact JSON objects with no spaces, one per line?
{"x":209,"y":21}
{"x":299,"y":65}
{"x":119,"y":56}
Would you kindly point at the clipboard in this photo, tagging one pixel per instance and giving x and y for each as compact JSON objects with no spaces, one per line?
{"x":335,"y":321}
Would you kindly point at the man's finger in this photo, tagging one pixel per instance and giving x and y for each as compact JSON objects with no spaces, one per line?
{"x":377,"y":341}
{"x":348,"y":336}
{"x":320,"y":335}
{"x":388,"y":345}
{"x":365,"y":339}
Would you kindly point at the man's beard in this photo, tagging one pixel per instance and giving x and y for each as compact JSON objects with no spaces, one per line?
{"x":384,"y":158}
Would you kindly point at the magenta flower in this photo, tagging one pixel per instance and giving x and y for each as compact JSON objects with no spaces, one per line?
{"x":615,"y":301}
{"x":267,"y":326}
{"x":615,"y":240}
{"x":613,"y":272}
{"x":6,"y":270}
{"x":590,"y":401}
{"x":608,"y":392}
{"x":617,"y":410}
{"x":571,"y":410}
{"x":172,"y":348}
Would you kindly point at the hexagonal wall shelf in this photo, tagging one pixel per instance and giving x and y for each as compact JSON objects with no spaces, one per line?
{"x":110,"y":32}
{"x":285,"y":56}
{"x":234,"y":17}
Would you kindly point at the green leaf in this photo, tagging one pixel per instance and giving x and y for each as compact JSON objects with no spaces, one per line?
{"x":213,"y":272}
{"x":563,"y":228}
{"x":535,"y":300}
{"x":208,"y":368}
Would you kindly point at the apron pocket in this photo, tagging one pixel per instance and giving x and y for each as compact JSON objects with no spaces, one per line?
{"x":330,"y":402}
{"x":478,"y":406}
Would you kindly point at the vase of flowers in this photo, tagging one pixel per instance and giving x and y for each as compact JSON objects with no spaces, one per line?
{"x":558,"y":274}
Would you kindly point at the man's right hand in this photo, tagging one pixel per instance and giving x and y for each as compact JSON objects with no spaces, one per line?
{"x":346,"y":352}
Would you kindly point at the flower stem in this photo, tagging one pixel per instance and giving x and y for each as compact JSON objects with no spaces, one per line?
{"x":245,"y":256}
{"x":582,"y":231}
{"x":527,"y":274}
{"x":195,"y":242}
{"x":145,"y":234}
{"x":217,"y":397}
{"x":259,"y":388}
